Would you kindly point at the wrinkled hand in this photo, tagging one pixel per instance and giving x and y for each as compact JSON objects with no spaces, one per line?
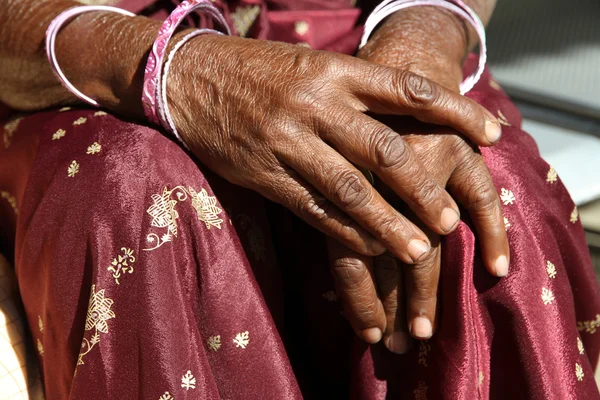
{"x":289,"y":122}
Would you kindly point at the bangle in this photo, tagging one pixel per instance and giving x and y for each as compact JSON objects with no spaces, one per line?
{"x":387,"y":7}
{"x":165,"y":118}
{"x":51,"y":33}
{"x":153,"y":70}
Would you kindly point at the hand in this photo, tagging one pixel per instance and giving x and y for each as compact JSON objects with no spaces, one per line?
{"x":288,"y":122}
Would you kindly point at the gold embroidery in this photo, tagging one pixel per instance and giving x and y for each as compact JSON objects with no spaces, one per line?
{"x":551,"y":177}
{"x":330,"y":296}
{"x":98,"y":313}
{"x":551,"y":270}
{"x":73,"y":169}
{"x":206,"y":208}
{"x":40,"y":347}
{"x":166,"y":396}
{"x":574,"y":215}
{"x":80,"y":121}
{"x":94,"y":148}
{"x":494,"y":84}
{"x":481,"y":377}
{"x":301,"y":27}
{"x":507,"y":197}
{"x":99,"y":113}
{"x":421,"y":391}
{"x":589,"y":326}
{"x":58,"y":134}
{"x":424,"y":348}
{"x":580,"y":346}
{"x":547,"y":296}
{"x":12,"y":202}
{"x":214,"y":342}
{"x":64,"y":109}
{"x":506,"y":224}
{"x":579,"y":372}
{"x":40,"y":324}
{"x":242,"y":339}
{"x":244,"y":18}
{"x":188,"y":381}
{"x":502,"y":119}
{"x":122,"y":264}
{"x":9,"y":130}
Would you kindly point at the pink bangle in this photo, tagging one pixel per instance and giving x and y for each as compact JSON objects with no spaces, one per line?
{"x":51,"y":33}
{"x":387,"y":7}
{"x":164,"y":115}
{"x":153,"y":71}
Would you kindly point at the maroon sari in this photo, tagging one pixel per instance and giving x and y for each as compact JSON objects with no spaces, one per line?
{"x":143,"y":275}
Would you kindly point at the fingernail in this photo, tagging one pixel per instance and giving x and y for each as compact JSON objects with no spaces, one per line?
{"x":501,"y":266}
{"x":421,"y":328}
{"x":417,"y":249}
{"x":399,"y":342}
{"x":377,"y":247}
{"x":493,"y":131}
{"x":449,"y":219}
{"x":372,"y":335}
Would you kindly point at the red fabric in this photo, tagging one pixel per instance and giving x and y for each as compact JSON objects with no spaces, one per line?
{"x":78,"y":196}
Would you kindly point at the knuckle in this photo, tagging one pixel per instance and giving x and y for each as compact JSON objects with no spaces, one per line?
{"x":390,"y":151}
{"x":483,"y":196}
{"x":386,"y":230}
{"x":425,"y":193}
{"x":419,"y":92}
{"x":313,"y":207}
{"x":350,"y":270}
{"x":349,"y":190}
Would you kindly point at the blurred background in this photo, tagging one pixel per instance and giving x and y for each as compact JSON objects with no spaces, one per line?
{"x":546,"y":55}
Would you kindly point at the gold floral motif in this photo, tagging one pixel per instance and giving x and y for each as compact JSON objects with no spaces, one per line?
{"x":502,"y":119}
{"x":80,"y":121}
{"x":9,"y":130}
{"x":551,"y":269}
{"x":551,"y":177}
{"x":330,"y":296}
{"x":507,"y":196}
{"x":166,"y":396}
{"x":122,"y":264}
{"x":206,"y":207}
{"x":59,"y":134}
{"x":40,"y":347}
{"x":94,"y":148}
{"x":188,"y":381}
{"x":580,"y":346}
{"x":481,"y":378}
{"x":574,"y":215}
{"x":421,"y":391}
{"x":506,"y":224}
{"x":73,"y":169}
{"x":214,"y":342}
{"x":99,"y":113}
{"x":301,"y":27}
{"x":243,"y":19}
{"x":242,"y":339}
{"x":424,"y":348}
{"x":64,"y":109}
{"x":494,"y":84}
{"x":589,"y":326}
{"x":12,"y":202}
{"x":547,"y":296}
{"x":98,"y":314}
{"x":40,"y":324}
{"x":579,"y":372}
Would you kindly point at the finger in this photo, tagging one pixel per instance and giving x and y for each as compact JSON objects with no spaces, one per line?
{"x":472,"y":186}
{"x":355,"y":286}
{"x":346,"y":187}
{"x":388,"y":277}
{"x":374,"y":146}
{"x":421,"y":283}
{"x":385,"y":90}
{"x":293,"y":192}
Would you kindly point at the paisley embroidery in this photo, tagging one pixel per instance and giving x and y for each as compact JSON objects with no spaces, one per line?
{"x":424,"y":348}
{"x":122,"y":264}
{"x":214,"y":342}
{"x":551,"y":177}
{"x":12,"y":202}
{"x":206,"y":207}
{"x":242,"y":339}
{"x":547,"y":296}
{"x":188,"y":381}
{"x":73,"y":169}
{"x":330,"y":296}
{"x":59,"y":134}
{"x":574,"y":215}
{"x":507,"y":197}
{"x":421,"y":391}
{"x":589,"y":326}
{"x":502,"y":119}
{"x":166,"y":396}
{"x":580,"y":346}
{"x":80,"y":121}
{"x":9,"y":130}
{"x":579,"y":372}
{"x":551,"y":269}
{"x":243,"y":19}
{"x":98,"y":314}
{"x":94,"y":148}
